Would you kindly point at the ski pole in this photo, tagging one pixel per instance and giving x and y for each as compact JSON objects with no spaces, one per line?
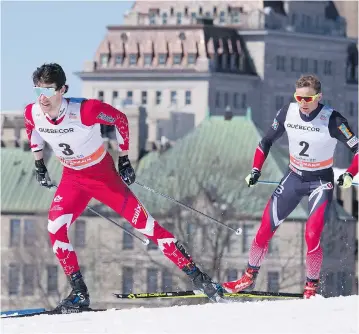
{"x":144,"y":241}
{"x":238,"y":231}
{"x":275,"y":182}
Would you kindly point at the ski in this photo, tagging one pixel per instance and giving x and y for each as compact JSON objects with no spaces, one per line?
{"x":18,"y":314}
{"x":199,"y":294}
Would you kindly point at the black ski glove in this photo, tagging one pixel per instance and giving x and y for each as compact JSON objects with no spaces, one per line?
{"x":125,"y":170}
{"x":42,"y":176}
{"x":253,"y":177}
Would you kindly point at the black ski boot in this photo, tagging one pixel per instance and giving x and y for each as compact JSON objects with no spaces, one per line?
{"x":79,"y":299}
{"x":204,"y":283}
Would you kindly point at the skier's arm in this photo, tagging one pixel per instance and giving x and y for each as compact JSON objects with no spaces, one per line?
{"x":340,"y":129}
{"x":97,"y":112}
{"x":35,"y":140}
{"x":275,"y":132}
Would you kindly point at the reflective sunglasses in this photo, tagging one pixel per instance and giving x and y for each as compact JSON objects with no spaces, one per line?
{"x":46,"y":91}
{"x":307,"y":99}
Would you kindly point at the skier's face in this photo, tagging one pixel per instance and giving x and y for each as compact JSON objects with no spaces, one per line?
{"x":49,"y":100}
{"x":307,"y":98}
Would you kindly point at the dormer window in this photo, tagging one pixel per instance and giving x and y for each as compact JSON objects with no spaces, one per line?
{"x":191,"y":58}
{"x":118,"y":59}
{"x":133,"y":59}
{"x":162,"y":58}
{"x":104,"y":58}
{"x":148,"y":59}
{"x":177,"y":59}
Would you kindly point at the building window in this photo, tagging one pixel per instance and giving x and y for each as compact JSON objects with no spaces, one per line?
{"x":273,"y":281}
{"x":173,"y":97}
{"x":247,"y":237}
{"x":193,"y":17}
{"x":143,"y":97}
{"x":129,"y":97}
{"x":148,"y":59}
{"x":152,"y":17}
{"x":104,"y":59}
{"x":162,"y":59}
{"x":304,"y":65}
{"x":29,"y":233}
{"x":315,"y":66}
{"x":164,"y":18}
{"x":351,"y":108}
{"x":127,"y":238}
{"x":29,"y":279}
{"x":158,"y":97}
{"x":179,"y":18}
{"x":327,"y":67}
{"x":114,"y":97}
{"x":166,"y":280}
{"x":279,"y":102}
{"x":15,"y":232}
{"x":80,"y":233}
{"x":100,"y":95}
{"x":235,"y":17}
{"x":118,"y":59}
{"x":218,"y":99}
{"x":222,"y":15}
{"x":293,"y":64}
{"x":235,"y":100}
{"x":232,"y":274}
{"x":188,"y":97}
{"x":191,"y":58}
{"x":244,"y":100}
{"x":226,"y":99}
{"x":14,"y":279}
{"x":133,"y":59}
{"x":52,"y":279}
{"x":152,"y":274}
{"x":280,"y":63}
{"x":177,"y":59}
{"x":127,"y":279}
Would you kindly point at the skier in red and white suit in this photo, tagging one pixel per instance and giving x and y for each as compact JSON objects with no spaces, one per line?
{"x":72,"y":128}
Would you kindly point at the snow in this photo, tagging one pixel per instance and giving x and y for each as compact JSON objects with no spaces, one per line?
{"x":317,"y":315}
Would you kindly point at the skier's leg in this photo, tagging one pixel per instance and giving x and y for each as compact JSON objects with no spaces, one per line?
{"x":320,"y":198}
{"x":68,"y":203}
{"x":283,"y":201}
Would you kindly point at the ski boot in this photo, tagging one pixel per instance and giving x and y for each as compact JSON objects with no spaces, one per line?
{"x":79,"y":299}
{"x":245,"y":283}
{"x":310,"y":289}
{"x":204,"y":283}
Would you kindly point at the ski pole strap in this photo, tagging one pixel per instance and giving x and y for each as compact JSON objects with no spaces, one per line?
{"x":238,"y":231}
{"x":144,"y":241}
{"x":199,"y":294}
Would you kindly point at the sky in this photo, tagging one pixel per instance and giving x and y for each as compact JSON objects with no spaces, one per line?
{"x":317,"y":315}
{"x":37,"y":32}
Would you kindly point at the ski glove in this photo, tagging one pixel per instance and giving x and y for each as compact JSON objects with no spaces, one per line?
{"x":42,"y":176}
{"x":253,"y":177}
{"x":345,"y":180}
{"x":125,"y":170}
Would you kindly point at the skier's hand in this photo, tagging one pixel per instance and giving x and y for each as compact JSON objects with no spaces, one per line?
{"x":125,"y":170}
{"x":42,"y":176}
{"x":253,"y":177}
{"x":345,"y":180}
